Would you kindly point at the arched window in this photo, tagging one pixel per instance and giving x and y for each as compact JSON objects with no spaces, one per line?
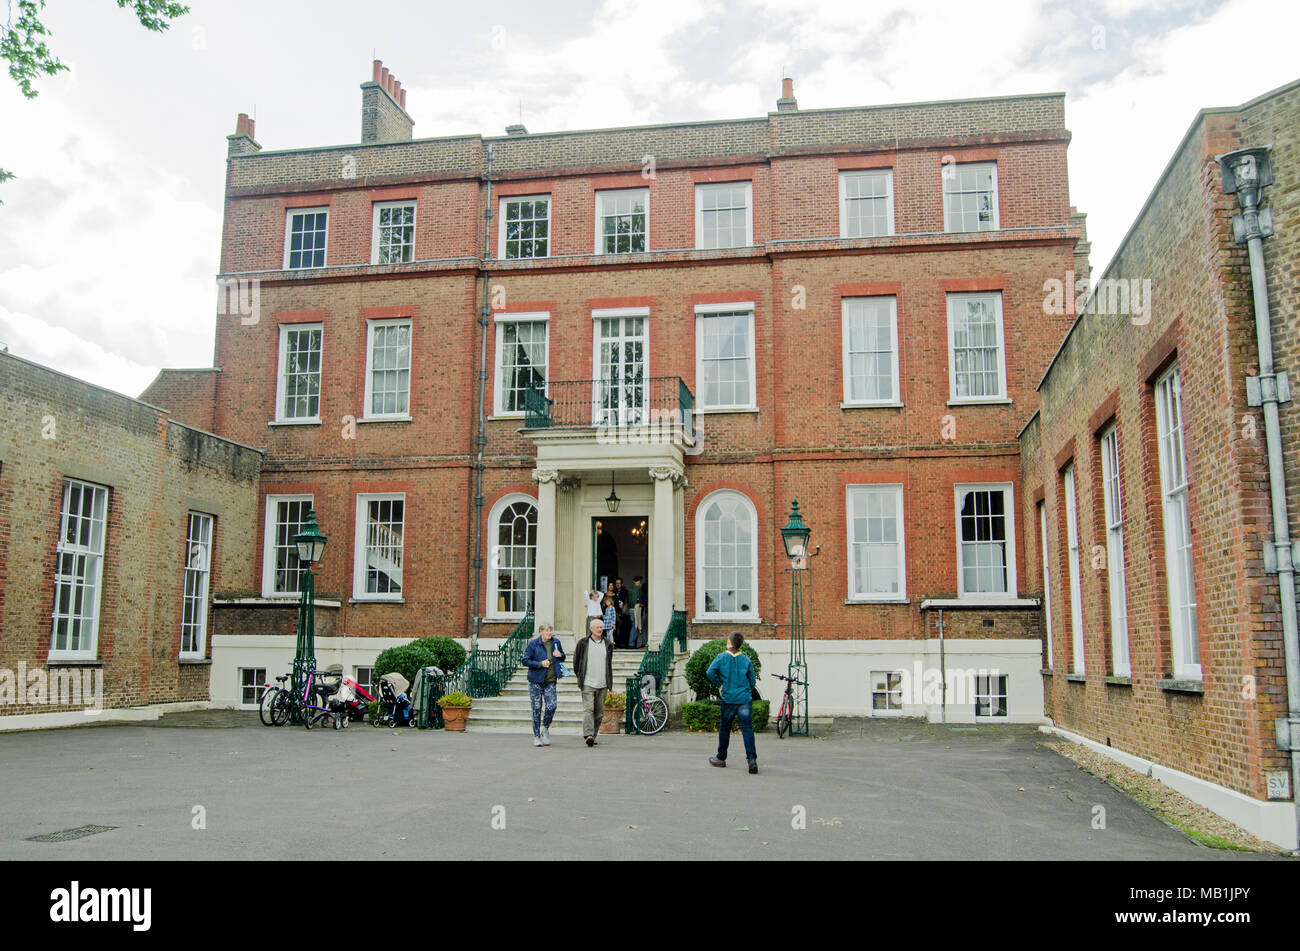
{"x":726,"y":557}
{"x":512,"y":556}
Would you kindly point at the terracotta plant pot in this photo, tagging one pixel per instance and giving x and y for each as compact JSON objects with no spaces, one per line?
{"x":453,"y":718}
{"x":612,"y":720}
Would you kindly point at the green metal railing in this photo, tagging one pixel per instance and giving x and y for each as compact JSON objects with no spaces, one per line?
{"x":656,"y":663}
{"x":655,"y":403}
{"x":486,"y":672}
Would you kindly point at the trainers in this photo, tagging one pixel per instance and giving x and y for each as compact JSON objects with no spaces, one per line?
{"x":537,"y":741}
{"x":714,"y":761}
{"x":591,"y":741}
{"x":753,"y":766}
{"x":546,"y":736}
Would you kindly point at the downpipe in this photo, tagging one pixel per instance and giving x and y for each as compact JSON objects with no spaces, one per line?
{"x":480,"y":440}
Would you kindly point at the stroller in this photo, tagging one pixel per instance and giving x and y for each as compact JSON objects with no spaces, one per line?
{"x":351,"y":699}
{"x":394,"y":703}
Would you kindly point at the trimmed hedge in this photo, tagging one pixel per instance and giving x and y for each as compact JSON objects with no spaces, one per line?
{"x":697,"y":668}
{"x":704,"y":715}
{"x":408,"y":659}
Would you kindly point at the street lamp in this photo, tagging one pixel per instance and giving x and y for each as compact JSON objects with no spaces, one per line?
{"x":311,"y":547}
{"x":795,"y":537}
{"x":612,"y":499}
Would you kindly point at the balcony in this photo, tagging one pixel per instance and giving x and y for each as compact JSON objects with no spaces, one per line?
{"x":660,"y":403}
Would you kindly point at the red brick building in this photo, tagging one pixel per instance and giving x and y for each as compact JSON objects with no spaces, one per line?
{"x":838,"y":306}
{"x":1146,"y":483}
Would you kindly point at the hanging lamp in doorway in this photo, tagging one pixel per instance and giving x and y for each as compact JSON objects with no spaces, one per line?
{"x":613,"y":499}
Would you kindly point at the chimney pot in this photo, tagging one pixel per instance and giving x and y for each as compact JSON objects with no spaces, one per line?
{"x":787,"y":88}
{"x":787,"y":102}
{"x":401,"y":99}
{"x":383,"y":76}
{"x":378,"y":65}
{"x":517,"y":129}
{"x":397,"y":90}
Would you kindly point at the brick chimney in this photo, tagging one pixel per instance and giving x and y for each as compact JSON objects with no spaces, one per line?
{"x":787,"y":102}
{"x":242,"y":142}
{"x":383,"y":108}
{"x":516,"y":130}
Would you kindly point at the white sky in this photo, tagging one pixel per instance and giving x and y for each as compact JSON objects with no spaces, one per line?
{"x":109,"y":236}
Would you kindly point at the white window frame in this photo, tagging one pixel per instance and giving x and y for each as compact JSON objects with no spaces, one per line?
{"x":202,"y":572}
{"x":845,"y":175}
{"x":371,"y":326}
{"x":947,"y":177}
{"x":1077,"y":644}
{"x":700,"y":613}
{"x":491,"y":612}
{"x":92,"y":581}
{"x":359,"y":548}
{"x":1001,"y":395}
{"x":1003,"y":683}
{"x":895,"y":399}
{"x":702,"y":312}
{"x":700,"y":190}
{"x":281,"y":394}
{"x":259,"y":684}
{"x":499,"y":384}
{"x":367,"y":682}
{"x":268,"y":543}
{"x":896,"y":490}
{"x":501,"y":224}
{"x":288,"y":236}
{"x":374,"y":233}
{"x":1175,"y":496}
{"x":597,"y":411}
{"x":1113,"y":507}
{"x":1047,"y":581}
{"x":1009,"y":514}
{"x":601,"y":196}
{"x":891,"y":689}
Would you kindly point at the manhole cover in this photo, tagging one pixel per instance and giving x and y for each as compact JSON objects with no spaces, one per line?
{"x":68,"y":834}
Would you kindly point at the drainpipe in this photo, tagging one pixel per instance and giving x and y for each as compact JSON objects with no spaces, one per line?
{"x":943,"y":675}
{"x":1246,"y":172}
{"x":484,"y":319}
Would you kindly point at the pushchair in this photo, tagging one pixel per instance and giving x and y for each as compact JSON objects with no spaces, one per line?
{"x":351,"y":699}
{"x":394,"y":702}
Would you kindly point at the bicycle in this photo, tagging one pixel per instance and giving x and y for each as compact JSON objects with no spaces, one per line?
{"x":287,"y":704}
{"x":650,"y":715}
{"x":267,"y":710}
{"x":787,"y":706}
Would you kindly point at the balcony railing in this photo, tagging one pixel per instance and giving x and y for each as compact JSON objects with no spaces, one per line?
{"x":663,"y":402}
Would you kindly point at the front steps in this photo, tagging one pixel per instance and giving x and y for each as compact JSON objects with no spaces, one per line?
{"x":512,"y":713}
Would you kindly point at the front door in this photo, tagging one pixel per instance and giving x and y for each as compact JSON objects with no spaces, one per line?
{"x":620,"y":548}
{"x":620,"y":356}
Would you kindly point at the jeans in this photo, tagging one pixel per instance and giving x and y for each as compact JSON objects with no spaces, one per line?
{"x":730,"y":711}
{"x":537,"y":693}
{"x":593,"y":709}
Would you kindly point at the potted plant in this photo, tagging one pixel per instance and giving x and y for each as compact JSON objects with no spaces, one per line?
{"x":455,"y":710}
{"x":612,"y":721}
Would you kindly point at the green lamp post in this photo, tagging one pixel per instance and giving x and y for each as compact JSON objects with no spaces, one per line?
{"x":311,"y":546}
{"x":795,"y":536}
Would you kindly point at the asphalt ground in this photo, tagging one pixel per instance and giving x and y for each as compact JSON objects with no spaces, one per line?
{"x":218,"y":785}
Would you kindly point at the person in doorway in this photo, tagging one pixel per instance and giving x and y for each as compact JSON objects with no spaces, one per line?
{"x":643,"y":612}
{"x":634,"y":610}
{"x":593,"y":605}
{"x":622,"y":596}
{"x":733,"y":675}
{"x":610,"y":619}
{"x":593,"y":662}
{"x":541,"y":657}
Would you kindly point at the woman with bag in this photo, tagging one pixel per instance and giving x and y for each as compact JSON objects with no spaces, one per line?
{"x":543,"y":657}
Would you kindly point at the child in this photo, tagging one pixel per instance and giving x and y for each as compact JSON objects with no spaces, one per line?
{"x":593,"y":604}
{"x":611,"y":618}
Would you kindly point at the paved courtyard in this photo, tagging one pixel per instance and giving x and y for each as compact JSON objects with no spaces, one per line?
{"x":864,"y":790}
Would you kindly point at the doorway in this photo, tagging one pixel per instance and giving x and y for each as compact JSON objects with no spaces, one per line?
{"x":620,"y":547}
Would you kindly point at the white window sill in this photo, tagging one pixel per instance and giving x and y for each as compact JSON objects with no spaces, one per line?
{"x":980,"y":602}
{"x":872,"y":405}
{"x":720,"y":410}
{"x":376,"y":600}
{"x":65,"y":658}
{"x":990,"y":401}
{"x":495,"y":416}
{"x":295,"y":422}
{"x":502,"y":618}
{"x":890,"y":600}
{"x":384,"y":419}
{"x":730,"y":619}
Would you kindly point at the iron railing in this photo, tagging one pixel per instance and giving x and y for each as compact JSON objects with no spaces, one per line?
{"x":659,"y":402}
{"x":486,"y":672}
{"x":656,"y":663}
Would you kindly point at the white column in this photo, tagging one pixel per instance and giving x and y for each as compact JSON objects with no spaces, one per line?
{"x":663,"y":533}
{"x":544,"y":570}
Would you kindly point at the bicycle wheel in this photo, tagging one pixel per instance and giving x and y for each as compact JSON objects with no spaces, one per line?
{"x":266,"y":708}
{"x":783,"y":722}
{"x":650,"y":716}
{"x":281,"y":708}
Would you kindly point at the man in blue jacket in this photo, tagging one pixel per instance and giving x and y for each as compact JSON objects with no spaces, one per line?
{"x":733,"y":674}
{"x":542,"y":655}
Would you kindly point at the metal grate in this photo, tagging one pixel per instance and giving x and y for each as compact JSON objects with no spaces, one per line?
{"x":68,"y":834}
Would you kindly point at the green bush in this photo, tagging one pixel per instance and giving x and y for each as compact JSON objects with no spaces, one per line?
{"x":697,"y":668}
{"x":706,"y":714}
{"x":407,"y":659}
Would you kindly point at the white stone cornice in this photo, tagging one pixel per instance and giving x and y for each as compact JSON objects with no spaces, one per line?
{"x":542,"y":476}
